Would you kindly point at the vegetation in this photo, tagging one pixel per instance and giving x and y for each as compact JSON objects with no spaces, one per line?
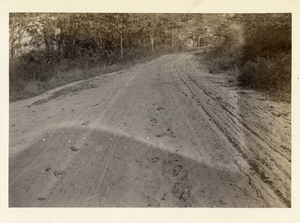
{"x":259,"y":45}
{"x":51,"y":49}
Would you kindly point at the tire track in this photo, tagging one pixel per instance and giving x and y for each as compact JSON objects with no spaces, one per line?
{"x":237,"y":120}
{"x":261,"y":165}
{"x":16,"y":178}
{"x":104,"y":173}
{"x":205,"y":157}
{"x":200,"y":166}
{"x":234,"y":117}
{"x":231,"y":140}
{"x":65,"y":166}
{"x":45,"y":191}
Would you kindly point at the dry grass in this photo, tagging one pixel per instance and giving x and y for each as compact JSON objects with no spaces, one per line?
{"x":27,"y":80}
{"x":32,"y":87}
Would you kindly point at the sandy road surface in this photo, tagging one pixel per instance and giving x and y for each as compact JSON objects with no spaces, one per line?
{"x":166,"y":133}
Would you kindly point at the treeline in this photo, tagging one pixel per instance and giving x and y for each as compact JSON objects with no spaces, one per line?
{"x":99,"y":36}
{"x":51,"y":49}
{"x":259,"y":46}
{"x":43,"y":45}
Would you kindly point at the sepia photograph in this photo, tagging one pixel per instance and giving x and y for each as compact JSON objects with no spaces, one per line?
{"x":147,"y":111}
{"x":150,"y":110}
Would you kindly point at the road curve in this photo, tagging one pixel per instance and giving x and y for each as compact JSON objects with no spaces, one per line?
{"x":166,"y":133}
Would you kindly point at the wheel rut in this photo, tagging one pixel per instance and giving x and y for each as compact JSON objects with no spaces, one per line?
{"x":160,"y":134}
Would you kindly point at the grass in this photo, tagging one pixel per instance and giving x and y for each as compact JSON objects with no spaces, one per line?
{"x":271,"y":77}
{"x":31,"y":79}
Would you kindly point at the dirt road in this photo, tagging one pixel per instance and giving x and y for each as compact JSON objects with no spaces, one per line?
{"x":166,"y":133}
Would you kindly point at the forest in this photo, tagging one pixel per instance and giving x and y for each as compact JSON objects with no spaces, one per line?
{"x":52,"y":49}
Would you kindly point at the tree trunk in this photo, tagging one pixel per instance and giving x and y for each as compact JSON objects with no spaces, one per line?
{"x":204,"y":36}
{"x":12,"y":52}
{"x":121,"y":44}
{"x":130,"y":41}
{"x":152,"y":43}
{"x":61,"y":45}
{"x":172,"y":41}
{"x":74,"y":52}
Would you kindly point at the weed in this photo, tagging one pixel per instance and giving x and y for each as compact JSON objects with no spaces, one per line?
{"x":29,"y":77}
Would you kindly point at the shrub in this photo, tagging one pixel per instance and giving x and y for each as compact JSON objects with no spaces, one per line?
{"x":260,"y":46}
{"x":267,"y":74}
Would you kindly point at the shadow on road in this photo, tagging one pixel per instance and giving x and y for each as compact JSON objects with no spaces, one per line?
{"x":67,"y":168}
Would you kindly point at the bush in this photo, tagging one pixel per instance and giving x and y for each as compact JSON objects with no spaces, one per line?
{"x":266,"y":74}
{"x":220,"y":59}
{"x":34,"y":73}
{"x":259,"y":45}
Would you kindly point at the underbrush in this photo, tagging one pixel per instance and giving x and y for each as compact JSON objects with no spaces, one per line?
{"x":222,"y":64}
{"x":257,"y":49}
{"x":30,"y":76}
{"x":218,"y":62}
{"x":272,"y":76}
{"x":267,"y":74}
